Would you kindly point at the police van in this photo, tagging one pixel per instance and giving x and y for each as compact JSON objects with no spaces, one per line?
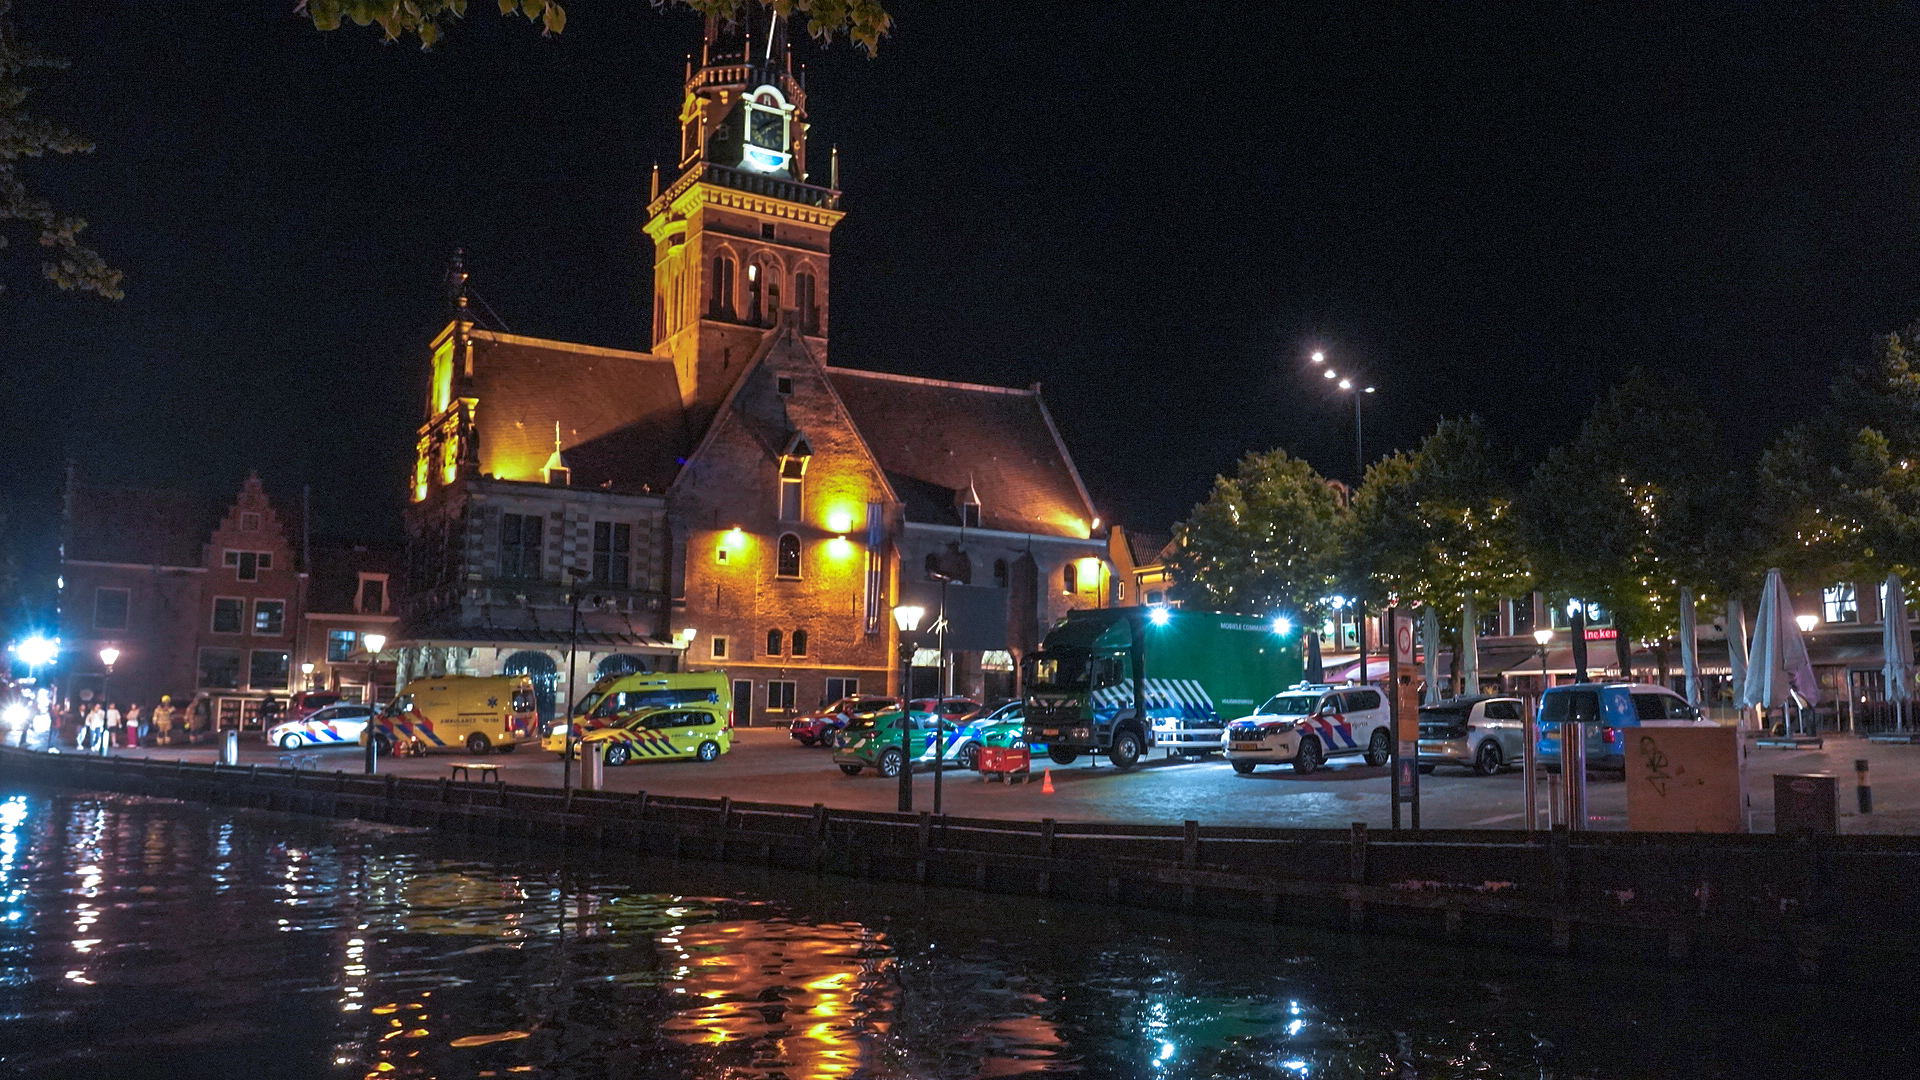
{"x":616,"y":698}
{"x":476,"y":713}
{"x":1309,"y":723}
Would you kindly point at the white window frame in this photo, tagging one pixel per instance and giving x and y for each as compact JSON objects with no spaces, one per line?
{"x":717,"y":647}
{"x":253,"y":627}
{"x":360,"y":593}
{"x":1840,"y":603}
{"x":792,"y":695}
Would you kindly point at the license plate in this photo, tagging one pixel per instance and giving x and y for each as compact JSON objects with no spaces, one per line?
{"x":1050,"y":731}
{"x":1245,"y":746}
{"x":1551,"y":736}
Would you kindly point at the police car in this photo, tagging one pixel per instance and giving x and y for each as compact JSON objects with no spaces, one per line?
{"x":1308,"y":724}
{"x":335,"y":725}
{"x":701,"y":732}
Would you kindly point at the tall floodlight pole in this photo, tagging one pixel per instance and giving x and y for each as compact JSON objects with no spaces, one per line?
{"x":1355,"y":386}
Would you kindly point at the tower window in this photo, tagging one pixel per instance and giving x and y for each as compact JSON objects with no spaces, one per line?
{"x":720,"y":305}
{"x":804,"y":288}
{"x":754,"y":285}
{"x":766,"y":230}
{"x":970,"y":515}
{"x":783,"y":385}
{"x":789,"y":556}
{"x":773,"y":643}
{"x":790,"y":499}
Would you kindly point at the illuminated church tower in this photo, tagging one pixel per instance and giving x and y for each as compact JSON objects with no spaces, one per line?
{"x":741,"y":236}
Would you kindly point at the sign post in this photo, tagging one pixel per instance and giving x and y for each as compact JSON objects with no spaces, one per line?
{"x":1404,"y":708}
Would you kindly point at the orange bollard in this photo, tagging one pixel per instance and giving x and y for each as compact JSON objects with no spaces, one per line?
{"x":1046,"y":782}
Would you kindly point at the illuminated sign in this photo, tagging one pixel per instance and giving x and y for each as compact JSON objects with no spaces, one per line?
{"x":1602,"y":633}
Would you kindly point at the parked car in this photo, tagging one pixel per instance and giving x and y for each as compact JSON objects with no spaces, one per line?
{"x":700,"y":732}
{"x":875,"y":743}
{"x":1603,"y":709}
{"x":818,"y":727}
{"x":1482,"y":733}
{"x":1001,"y":727}
{"x":1308,"y":724}
{"x":334,"y":725}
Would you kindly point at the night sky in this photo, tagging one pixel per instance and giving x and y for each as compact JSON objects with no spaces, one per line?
{"x":1155,"y":210}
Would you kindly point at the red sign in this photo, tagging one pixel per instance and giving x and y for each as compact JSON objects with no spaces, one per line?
{"x":1602,"y":633}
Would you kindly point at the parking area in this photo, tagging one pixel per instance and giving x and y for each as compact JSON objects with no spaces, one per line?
{"x":767,"y":766}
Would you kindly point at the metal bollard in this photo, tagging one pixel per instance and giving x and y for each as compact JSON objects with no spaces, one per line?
{"x":593,"y":775}
{"x":1532,"y":778}
{"x":230,"y":749}
{"x":1861,"y":786}
{"x":1573,"y":762}
{"x":372,"y":766}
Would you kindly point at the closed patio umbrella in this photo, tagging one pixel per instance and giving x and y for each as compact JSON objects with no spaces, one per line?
{"x":1778,"y":661}
{"x":1469,"y":648}
{"x":1689,"y":647}
{"x":1430,"y":666}
{"x":1896,"y":642}
{"x":1737,"y":647}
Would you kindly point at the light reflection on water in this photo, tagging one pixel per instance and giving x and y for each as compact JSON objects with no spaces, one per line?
{"x":146,"y":938}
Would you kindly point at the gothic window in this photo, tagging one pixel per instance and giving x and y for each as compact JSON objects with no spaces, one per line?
{"x":754,"y":285}
{"x":789,"y":555}
{"x":773,"y":643}
{"x":721,"y":305}
{"x":793,"y":470}
{"x":1000,"y":573}
{"x":773,"y":300}
{"x":799,"y":643}
{"x":1070,"y":578}
{"x":659,"y":321}
{"x":804,"y":300}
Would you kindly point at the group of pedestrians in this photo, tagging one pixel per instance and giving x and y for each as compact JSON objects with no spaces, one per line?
{"x":95,"y":726}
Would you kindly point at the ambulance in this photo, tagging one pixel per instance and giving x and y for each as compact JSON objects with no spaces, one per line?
{"x":698,"y":731}
{"x":475,"y":713}
{"x":616,"y":698}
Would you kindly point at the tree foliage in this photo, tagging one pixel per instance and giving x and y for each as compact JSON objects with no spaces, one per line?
{"x":1438,"y":526}
{"x":1840,"y":493}
{"x":69,"y":263}
{"x":1268,"y":539}
{"x":864,"y":22}
{"x":1624,"y":515}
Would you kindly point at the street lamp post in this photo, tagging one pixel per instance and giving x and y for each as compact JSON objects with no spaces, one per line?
{"x":573,"y":647}
{"x":906,"y":618}
{"x":943,"y":687}
{"x":373,"y":643}
{"x":107,"y":657}
{"x":1541,"y":637}
{"x":1352,"y":386}
{"x":306,"y":672}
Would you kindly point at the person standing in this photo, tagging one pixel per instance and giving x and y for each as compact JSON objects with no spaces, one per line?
{"x":136,"y":726}
{"x":112,"y":728}
{"x":163,"y":721}
{"x":93,"y":735}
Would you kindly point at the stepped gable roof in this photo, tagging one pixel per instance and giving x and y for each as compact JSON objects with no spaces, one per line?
{"x":935,"y":439}
{"x":621,"y":424}
{"x":335,"y":575}
{"x":144,"y":526}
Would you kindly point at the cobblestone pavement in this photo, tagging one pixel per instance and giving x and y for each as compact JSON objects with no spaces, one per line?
{"x":767,"y":766}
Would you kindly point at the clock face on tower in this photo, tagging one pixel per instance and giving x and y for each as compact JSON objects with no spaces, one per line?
{"x":769,"y":127}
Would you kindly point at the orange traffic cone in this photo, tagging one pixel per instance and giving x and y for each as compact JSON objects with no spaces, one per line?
{"x":1046,"y":782}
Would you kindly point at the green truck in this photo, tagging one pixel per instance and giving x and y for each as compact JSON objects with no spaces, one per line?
{"x":1123,"y":681}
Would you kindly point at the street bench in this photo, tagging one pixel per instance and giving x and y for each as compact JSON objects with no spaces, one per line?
{"x":470,"y":770}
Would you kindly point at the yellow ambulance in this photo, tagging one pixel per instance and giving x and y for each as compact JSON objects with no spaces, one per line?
{"x":616,"y":698}
{"x":475,"y":713}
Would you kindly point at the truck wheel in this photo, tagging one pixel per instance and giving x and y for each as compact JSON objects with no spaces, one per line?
{"x":1125,"y":752}
{"x":1308,"y":759}
{"x":890,"y":763}
{"x":850,"y":770}
{"x":1379,"y":747}
{"x":1244,"y":768}
{"x":1062,"y":757}
{"x":477,"y":743}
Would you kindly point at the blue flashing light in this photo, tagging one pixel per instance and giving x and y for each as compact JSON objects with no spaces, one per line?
{"x":1158,"y":616}
{"x":1283,"y":626}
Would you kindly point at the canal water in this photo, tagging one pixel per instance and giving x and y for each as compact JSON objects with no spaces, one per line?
{"x":145,"y":938}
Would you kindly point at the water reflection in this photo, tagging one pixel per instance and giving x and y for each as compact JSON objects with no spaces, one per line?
{"x":143,"y":938}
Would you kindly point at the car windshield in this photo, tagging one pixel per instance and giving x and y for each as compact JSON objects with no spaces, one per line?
{"x":585,"y":705}
{"x":1288,"y":705}
{"x":865,"y":708}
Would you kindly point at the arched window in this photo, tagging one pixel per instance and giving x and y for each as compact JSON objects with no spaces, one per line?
{"x":799,"y":642}
{"x":545,"y":674}
{"x":1000,"y":573}
{"x":618,"y":664}
{"x":804,"y":300}
{"x":754,"y":285}
{"x":773,"y":300}
{"x":1070,"y":578}
{"x":659,"y":318}
{"x":789,"y":555}
{"x":720,"y":305}
{"x":773,"y":643}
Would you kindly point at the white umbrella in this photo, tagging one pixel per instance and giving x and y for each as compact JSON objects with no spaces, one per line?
{"x":1737,"y":647}
{"x":1896,"y":643}
{"x":1779,"y":661}
{"x":1469,"y":648}
{"x":1430,"y":623}
{"x":1689,"y":651}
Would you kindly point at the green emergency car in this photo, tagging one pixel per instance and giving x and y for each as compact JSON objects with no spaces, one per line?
{"x":875,"y":744}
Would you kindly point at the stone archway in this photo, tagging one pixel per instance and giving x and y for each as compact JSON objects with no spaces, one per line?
{"x":545,"y":674}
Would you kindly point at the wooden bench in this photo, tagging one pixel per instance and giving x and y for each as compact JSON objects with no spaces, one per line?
{"x":471,"y":769}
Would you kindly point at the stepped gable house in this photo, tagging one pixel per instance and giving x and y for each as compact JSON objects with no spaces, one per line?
{"x":728,"y":498}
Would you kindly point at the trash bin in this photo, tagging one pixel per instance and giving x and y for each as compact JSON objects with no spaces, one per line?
{"x":593,"y":767}
{"x":1805,"y":804}
{"x":230,"y":748}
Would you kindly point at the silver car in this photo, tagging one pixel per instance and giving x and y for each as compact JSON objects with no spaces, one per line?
{"x":1484,"y":734}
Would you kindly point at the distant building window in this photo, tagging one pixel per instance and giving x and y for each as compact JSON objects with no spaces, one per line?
{"x":1156,"y":597}
{"x":773,"y":643}
{"x":722,"y":304}
{"x":341,"y":645}
{"x":269,"y":617}
{"x":1839,"y":604}
{"x":783,"y":386}
{"x":780,"y":695}
{"x":766,"y":230}
{"x":249,"y":522}
{"x":718,"y":646}
{"x":753,"y":292}
{"x":970,"y":515}
{"x":799,"y":643}
{"x":520,"y":545}
{"x":1070,"y":578}
{"x":720,"y":554}
{"x":248,"y":564}
{"x":839,"y":688}
{"x":804,"y":299}
{"x":1000,"y":573}
{"x":110,"y":608}
{"x":1115,"y":591}
{"x":220,"y":669}
{"x":612,"y":543}
{"x":1522,"y":616}
{"x":1489,"y":624}
{"x":373,"y":594}
{"x":267,"y":670}
{"x":229,"y":613}
{"x":789,"y":555}
{"x":793,"y":470}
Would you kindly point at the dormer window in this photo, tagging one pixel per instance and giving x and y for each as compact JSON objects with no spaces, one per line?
{"x":967,"y":502}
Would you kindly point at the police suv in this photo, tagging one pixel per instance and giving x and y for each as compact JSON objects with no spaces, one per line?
{"x":1309,"y":723}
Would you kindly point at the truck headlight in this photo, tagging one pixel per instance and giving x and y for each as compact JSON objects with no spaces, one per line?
{"x":1082,"y":733}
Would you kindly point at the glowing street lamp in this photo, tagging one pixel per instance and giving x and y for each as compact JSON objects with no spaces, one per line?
{"x":109,"y":656}
{"x":1807,"y":622}
{"x":1356,"y":387}
{"x":373,"y":644}
{"x":906,"y":618}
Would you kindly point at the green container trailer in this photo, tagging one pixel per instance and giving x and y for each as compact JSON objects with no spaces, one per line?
{"x":1123,"y":681}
